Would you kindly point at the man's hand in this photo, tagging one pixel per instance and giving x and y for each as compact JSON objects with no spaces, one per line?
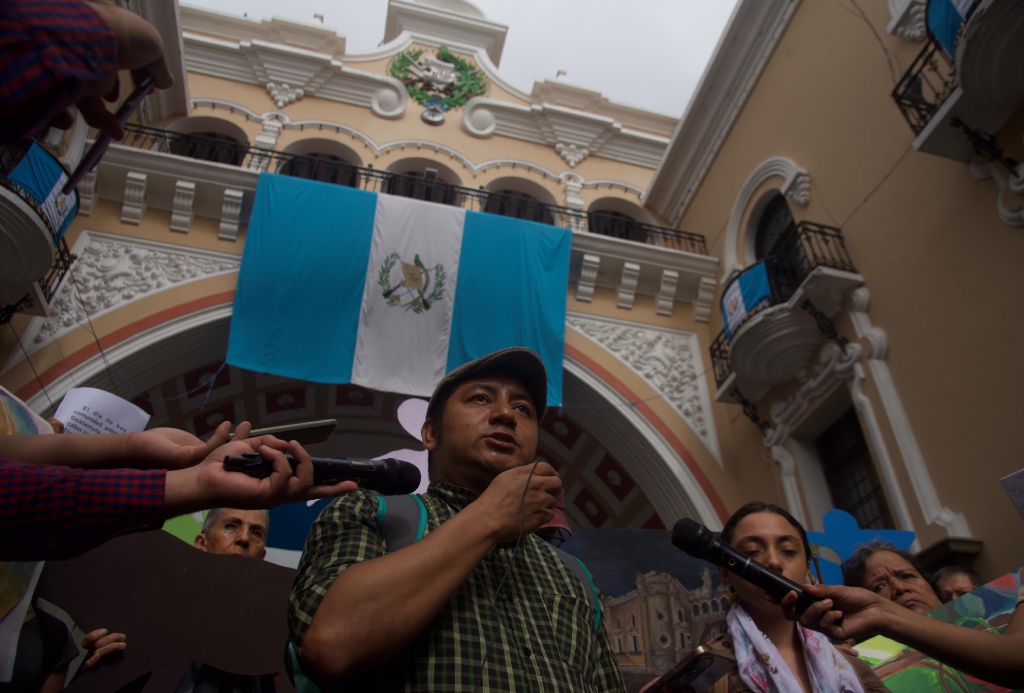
{"x":506,"y":505}
{"x":173,"y":448}
{"x":209,"y":485}
{"x":842,"y":613}
{"x":139,"y":49}
{"x":99,"y":644}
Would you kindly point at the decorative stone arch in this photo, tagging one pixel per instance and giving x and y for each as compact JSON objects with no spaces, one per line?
{"x":522,"y":186}
{"x":795,"y":184}
{"x":194,"y":124}
{"x":322,"y":145}
{"x":621,"y":206}
{"x":418,"y":165}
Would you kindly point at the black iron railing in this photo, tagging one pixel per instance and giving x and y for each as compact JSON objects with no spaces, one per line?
{"x":10,"y":156}
{"x":925,"y":86}
{"x":332,"y":170}
{"x":802,"y":250}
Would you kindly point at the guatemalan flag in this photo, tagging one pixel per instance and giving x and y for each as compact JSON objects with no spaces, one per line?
{"x":743,"y":295}
{"x":342,"y":285}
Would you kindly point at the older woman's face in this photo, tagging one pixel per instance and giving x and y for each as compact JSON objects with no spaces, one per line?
{"x":891,"y":576}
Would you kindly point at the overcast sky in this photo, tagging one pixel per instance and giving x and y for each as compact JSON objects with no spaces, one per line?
{"x":645,"y":53}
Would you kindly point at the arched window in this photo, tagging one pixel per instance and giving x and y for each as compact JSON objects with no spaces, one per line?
{"x":422,"y":185}
{"x":775,"y":224}
{"x":617,"y":225}
{"x":520,"y":205}
{"x":209,"y":146}
{"x":322,"y":167}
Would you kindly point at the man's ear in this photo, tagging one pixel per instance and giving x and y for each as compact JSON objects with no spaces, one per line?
{"x":200,"y":542}
{"x":726,"y":577}
{"x":428,"y":433}
{"x":263,"y":553}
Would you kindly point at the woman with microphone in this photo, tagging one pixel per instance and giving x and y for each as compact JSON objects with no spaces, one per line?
{"x":772,"y":652}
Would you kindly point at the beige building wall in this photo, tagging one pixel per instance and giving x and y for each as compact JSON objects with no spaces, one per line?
{"x":940,"y":267}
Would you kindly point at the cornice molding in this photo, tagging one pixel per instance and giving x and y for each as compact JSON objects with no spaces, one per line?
{"x":574,"y":134}
{"x":732,"y":74}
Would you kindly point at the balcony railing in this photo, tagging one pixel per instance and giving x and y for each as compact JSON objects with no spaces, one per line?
{"x":925,"y":86}
{"x":807,"y":247}
{"x":10,"y":156}
{"x":335,"y":171}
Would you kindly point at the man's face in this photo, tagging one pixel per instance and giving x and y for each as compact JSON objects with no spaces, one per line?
{"x":489,"y":425}
{"x":237,"y":532}
{"x":954,"y":586}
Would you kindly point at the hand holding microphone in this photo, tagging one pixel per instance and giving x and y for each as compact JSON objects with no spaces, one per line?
{"x":700,"y":542}
{"x":387,"y":476}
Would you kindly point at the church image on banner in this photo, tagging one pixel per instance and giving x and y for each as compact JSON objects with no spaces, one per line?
{"x":804,"y":290}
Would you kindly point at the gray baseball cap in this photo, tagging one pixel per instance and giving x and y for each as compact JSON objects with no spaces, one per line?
{"x":521,"y":362}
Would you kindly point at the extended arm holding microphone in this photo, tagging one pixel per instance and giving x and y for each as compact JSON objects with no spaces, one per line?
{"x":388,"y":476}
{"x":700,"y":542}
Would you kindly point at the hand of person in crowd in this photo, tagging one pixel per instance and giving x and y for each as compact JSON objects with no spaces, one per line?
{"x":864,"y":613}
{"x":505,"y":499}
{"x":173,"y":448}
{"x":209,"y":485}
{"x":139,"y":48}
{"x":101,"y":643}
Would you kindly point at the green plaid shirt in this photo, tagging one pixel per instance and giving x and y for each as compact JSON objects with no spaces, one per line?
{"x":546,"y":640}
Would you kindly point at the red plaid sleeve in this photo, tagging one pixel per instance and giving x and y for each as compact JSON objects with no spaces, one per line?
{"x":58,"y":512}
{"x":51,"y":53}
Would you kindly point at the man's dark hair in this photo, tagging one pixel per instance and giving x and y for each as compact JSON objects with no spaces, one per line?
{"x":856,"y":565}
{"x":951,"y":570}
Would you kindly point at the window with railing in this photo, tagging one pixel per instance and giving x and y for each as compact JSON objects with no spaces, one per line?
{"x":423,"y":185}
{"x":209,"y":146}
{"x":322,"y":167}
{"x":510,"y":203}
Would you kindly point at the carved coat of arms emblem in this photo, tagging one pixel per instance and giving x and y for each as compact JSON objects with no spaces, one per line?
{"x":438,"y":83}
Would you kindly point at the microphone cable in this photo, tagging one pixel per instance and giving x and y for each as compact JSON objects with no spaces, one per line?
{"x":501,"y":583}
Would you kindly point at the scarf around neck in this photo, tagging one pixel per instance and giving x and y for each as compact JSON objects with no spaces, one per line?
{"x":762,"y":668}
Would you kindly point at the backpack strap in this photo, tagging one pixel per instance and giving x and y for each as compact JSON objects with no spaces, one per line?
{"x":583,"y":575}
{"x":401,"y":520}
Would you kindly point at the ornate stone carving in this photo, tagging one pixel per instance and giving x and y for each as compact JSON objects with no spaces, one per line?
{"x":666,"y":292}
{"x":113,"y":271}
{"x":627,"y":285}
{"x":230,"y":215}
{"x":702,"y":304}
{"x":799,"y":190}
{"x":571,"y":153}
{"x":282,"y":94}
{"x":668,"y":361}
{"x":183,"y":207}
{"x":87,"y":194}
{"x":908,"y":19}
{"x":588,"y":277}
{"x":134,"y":205}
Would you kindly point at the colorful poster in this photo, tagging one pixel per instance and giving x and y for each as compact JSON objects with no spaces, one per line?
{"x":905,"y":670}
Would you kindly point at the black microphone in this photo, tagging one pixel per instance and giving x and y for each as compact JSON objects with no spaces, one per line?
{"x":388,"y":476}
{"x":700,"y":542}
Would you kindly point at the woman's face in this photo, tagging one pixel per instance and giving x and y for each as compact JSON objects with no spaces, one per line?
{"x":891,"y":576}
{"x":769,"y":539}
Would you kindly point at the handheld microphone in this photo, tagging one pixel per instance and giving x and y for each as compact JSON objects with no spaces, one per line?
{"x":700,"y":542}
{"x":388,"y":476}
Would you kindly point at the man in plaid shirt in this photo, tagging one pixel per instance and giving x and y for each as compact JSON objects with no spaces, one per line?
{"x":480,"y":603}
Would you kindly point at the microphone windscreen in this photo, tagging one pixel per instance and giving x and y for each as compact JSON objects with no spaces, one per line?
{"x":692,"y":537}
{"x":403,"y":477}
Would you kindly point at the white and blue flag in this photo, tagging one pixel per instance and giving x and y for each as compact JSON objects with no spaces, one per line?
{"x":342,"y":285}
{"x":743,"y":295}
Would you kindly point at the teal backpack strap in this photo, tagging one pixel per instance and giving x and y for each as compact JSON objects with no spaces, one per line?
{"x":401,"y":520}
{"x":583,"y":575}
